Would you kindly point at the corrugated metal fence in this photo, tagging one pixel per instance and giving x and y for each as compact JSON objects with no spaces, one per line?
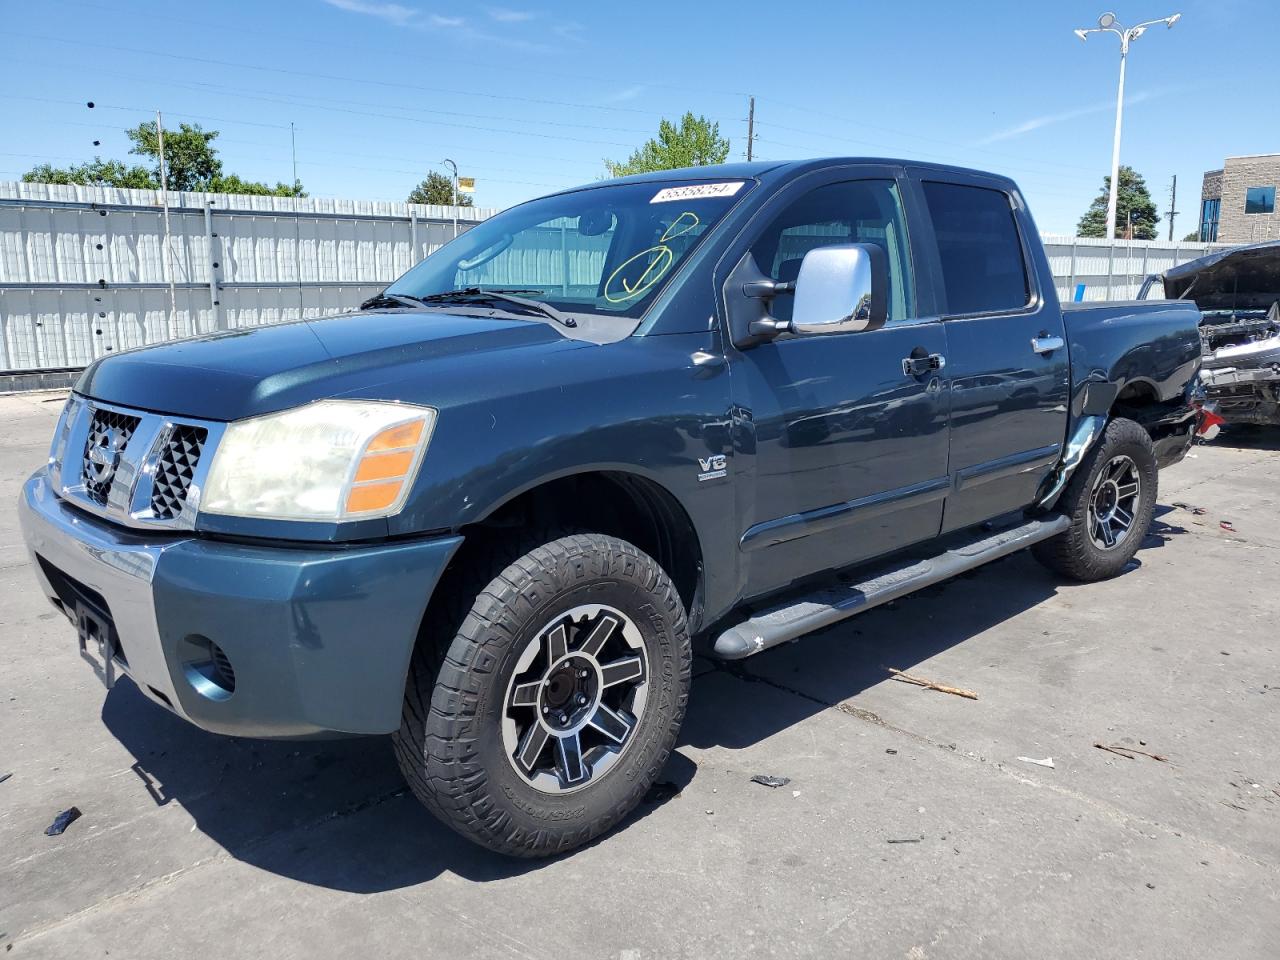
{"x":84,"y":272}
{"x":1113,"y":270}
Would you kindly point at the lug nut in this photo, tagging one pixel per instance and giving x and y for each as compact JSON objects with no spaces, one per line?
{"x":546,"y":709}
{"x":564,"y":718}
{"x":582,"y":674}
{"x":581,"y":699}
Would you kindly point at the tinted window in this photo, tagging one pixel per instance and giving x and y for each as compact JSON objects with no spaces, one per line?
{"x":978,"y":246}
{"x":861,"y":211}
{"x":1260,"y":200}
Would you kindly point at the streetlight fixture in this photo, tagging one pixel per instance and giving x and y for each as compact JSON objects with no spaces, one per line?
{"x":1107,"y":23}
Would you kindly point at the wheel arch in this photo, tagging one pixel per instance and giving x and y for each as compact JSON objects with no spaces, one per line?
{"x":616,"y":502}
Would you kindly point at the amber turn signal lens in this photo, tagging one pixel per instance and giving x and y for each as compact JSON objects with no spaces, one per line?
{"x":396,"y":438}
{"x":373,"y":496}
{"x":384,"y":466}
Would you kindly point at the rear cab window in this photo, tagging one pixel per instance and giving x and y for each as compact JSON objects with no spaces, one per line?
{"x":979,"y":249}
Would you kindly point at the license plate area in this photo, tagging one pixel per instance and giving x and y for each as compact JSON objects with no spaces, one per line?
{"x":99,"y":645}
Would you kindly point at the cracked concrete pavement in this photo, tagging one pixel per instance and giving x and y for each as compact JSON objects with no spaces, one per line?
{"x":909,"y":829}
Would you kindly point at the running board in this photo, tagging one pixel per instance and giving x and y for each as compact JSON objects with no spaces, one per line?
{"x":831,"y":605}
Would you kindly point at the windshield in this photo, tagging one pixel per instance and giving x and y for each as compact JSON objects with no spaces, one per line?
{"x":604,"y":251}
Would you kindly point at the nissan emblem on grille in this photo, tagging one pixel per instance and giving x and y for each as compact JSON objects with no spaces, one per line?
{"x":109,"y":434}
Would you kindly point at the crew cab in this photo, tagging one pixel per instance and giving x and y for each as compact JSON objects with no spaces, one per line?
{"x":490,"y":512}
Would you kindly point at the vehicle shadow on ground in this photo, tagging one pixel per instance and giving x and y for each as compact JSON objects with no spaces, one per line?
{"x":836,"y":664}
{"x":1248,"y":438}
{"x":337,"y":814}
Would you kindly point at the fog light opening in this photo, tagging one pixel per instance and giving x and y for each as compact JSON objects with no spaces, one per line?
{"x":208,"y":668}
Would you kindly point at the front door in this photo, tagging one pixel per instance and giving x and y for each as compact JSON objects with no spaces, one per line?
{"x":1006,"y":349}
{"x":850,"y":449}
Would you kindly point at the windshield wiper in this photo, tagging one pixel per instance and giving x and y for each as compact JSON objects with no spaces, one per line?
{"x":503,"y":295}
{"x":385,"y":299}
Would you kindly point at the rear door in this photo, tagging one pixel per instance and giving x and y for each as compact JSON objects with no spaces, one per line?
{"x":1006,"y":345}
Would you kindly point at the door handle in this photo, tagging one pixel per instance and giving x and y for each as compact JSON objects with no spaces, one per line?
{"x":1047,"y":344}
{"x":915,"y":366}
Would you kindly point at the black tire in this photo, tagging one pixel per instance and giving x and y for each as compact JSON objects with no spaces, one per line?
{"x":1077,"y":552}
{"x":450,"y":745}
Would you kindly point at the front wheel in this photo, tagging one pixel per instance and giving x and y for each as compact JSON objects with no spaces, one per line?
{"x":557,"y":703}
{"x":1110,"y":500}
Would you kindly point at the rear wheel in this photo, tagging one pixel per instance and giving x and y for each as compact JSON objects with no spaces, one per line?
{"x":1110,"y":501}
{"x":558,"y":701}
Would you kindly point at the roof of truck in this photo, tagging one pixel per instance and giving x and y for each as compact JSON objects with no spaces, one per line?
{"x":767,"y":169}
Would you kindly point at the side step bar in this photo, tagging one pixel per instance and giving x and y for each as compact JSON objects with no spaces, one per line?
{"x":788,"y":621}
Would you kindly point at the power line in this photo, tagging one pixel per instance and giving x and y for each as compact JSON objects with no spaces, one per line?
{"x":268,"y":96}
{"x":469,"y":59}
{"x":311,"y":75}
{"x":921,"y":137}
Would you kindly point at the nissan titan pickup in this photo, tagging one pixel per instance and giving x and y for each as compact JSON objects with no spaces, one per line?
{"x":491,"y":512}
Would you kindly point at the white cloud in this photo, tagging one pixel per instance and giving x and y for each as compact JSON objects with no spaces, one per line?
{"x":391,"y":12}
{"x":626,"y":93}
{"x":447,"y":22}
{"x":508,"y":15}
{"x":1049,"y":119}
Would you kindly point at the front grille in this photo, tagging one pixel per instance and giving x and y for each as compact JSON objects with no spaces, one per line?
{"x":109,"y":434}
{"x":174,"y":470}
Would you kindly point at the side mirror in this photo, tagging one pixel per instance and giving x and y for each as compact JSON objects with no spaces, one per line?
{"x":841,"y":289}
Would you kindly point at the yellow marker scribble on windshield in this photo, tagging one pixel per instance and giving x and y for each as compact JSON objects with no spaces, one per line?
{"x":653,"y":271}
{"x":661,"y":259}
{"x":685,"y":222}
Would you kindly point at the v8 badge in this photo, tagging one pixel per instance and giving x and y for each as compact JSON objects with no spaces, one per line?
{"x":713,"y":467}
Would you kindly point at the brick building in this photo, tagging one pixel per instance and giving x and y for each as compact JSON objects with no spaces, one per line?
{"x":1238,"y":202}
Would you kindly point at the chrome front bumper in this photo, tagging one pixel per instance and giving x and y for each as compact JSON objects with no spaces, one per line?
{"x":116,"y":564}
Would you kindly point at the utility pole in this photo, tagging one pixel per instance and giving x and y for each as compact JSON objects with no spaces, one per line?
{"x":751,"y":124}
{"x":297,"y":221}
{"x":454,"y":167}
{"x":168,"y":246}
{"x":1173,"y":204}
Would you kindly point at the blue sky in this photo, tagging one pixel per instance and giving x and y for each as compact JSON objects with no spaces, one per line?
{"x":532,"y":96}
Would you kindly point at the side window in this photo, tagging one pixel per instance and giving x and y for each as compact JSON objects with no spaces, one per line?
{"x":860,"y":211}
{"x":982,"y":266}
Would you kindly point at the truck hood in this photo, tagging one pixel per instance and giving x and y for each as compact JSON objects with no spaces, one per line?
{"x":247,"y":372}
{"x":1242,"y":278}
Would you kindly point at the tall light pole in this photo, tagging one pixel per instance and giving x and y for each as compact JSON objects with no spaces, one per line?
{"x":454,"y":167}
{"x":1107,"y":23}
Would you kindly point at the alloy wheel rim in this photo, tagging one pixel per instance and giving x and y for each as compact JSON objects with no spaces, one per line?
{"x":1113,"y":503}
{"x":575,"y":698}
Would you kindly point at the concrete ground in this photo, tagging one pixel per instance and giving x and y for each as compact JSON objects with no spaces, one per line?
{"x":910,"y":827}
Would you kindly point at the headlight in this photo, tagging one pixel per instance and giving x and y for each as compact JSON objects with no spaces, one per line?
{"x":58,"y":451}
{"x":331,"y":460}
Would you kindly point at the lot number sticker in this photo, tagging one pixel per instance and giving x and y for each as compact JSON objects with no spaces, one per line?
{"x":697,"y":191}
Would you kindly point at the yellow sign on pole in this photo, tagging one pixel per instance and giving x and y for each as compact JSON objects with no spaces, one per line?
{"x":466,"y":184}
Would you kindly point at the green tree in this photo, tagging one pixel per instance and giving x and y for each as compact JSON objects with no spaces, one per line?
{"x":1132,"y":198}
{"x":189,"y":154}
{"x":1192,"y":237}
{"x":437,"y":188}
{"x":695,"y":143}
{"x":96,"y":173}
{"x":230,"y":183}
{"x":192,"y":161}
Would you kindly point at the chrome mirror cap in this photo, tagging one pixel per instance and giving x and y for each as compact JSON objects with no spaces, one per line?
{"x":840,"y":289}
